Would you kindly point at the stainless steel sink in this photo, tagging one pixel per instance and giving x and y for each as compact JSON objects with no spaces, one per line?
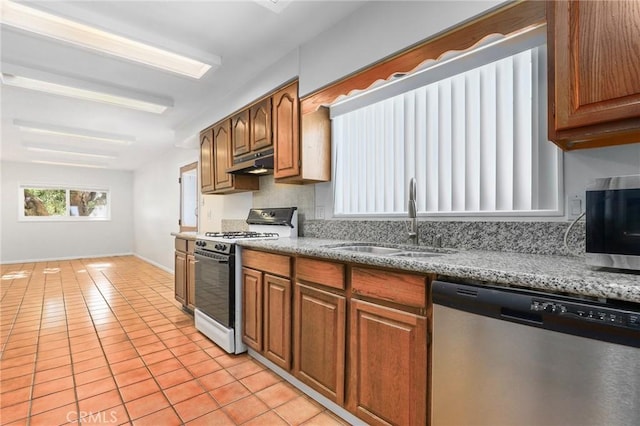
{"x":370,"y":249}
{"x":417,"y":254}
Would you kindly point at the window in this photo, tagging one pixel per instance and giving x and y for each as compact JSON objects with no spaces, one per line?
{"x":471,"y":129}
{"x":189,"y":197}
{"x":58,"y":203}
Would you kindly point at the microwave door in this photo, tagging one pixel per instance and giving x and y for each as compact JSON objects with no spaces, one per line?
{"x":623,"y":231}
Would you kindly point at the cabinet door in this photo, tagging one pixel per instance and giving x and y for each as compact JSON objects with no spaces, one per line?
{"x":222,"y":146}
{"x":286,"y":132}
{"x":594,"y":63}
{"x":190,"y":293}
{"x":180,"y":271}
{"x":206,"y":161}
{"x":388,"y":365}
{"x":260,"y":123}
{"x":277,"y":320}
{"x":240,"y":133}
{"x":252,"y":308}
{"x":319,"y":340}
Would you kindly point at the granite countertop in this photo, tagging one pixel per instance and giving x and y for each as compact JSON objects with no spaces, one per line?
{"x":185,"y":235}
{"x":557,"y":274}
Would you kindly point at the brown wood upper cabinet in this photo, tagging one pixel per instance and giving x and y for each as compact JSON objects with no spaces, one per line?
{"x":251,"y":128}
{"x":206,"y":161}
{"x":240,"y":129}
{"x":302,"y":144}
{"x":594,"y":72}
{"x":221,"y":145}
{"x":286,"y":130}
{"x":215,"y":159}
{"x":260,"y":125}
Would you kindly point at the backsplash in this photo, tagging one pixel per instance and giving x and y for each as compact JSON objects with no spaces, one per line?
{"x":520,"y":237}
{"x":273,"y":194}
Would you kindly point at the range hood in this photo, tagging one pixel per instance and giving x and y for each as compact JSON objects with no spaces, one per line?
{"x":258,"y":163}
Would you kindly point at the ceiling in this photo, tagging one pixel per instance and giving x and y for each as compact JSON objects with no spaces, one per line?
{"x":244,"y":36}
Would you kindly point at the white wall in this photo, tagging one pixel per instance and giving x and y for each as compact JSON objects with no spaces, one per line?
{"x":156,"y":205}
{"x":374,"y":31}
{"x":583,"y":166}
{"x":31,"y":241}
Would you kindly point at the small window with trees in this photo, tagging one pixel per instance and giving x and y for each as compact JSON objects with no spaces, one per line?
{"x":59,"y":203}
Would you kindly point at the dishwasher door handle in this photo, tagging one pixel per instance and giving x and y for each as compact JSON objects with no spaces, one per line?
{"x":521,"y":317}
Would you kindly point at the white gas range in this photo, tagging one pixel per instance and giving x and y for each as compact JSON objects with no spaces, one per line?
{"x":218,"y":283}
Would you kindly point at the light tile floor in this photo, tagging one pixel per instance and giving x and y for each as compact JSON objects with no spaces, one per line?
{"x":102,"y":341}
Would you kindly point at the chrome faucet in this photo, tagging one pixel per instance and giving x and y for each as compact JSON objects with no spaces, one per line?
{"x":413,"y":223}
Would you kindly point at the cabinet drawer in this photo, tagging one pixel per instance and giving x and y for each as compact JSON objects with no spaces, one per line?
{"x":268,"y":262}
{"x":318,"y":271}
{"x":397,"y":287}
{"x":181,"y":244}
{"x":191,"y":245}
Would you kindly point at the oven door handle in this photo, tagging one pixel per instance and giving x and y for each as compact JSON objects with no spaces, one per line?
{"x":223,"y":262}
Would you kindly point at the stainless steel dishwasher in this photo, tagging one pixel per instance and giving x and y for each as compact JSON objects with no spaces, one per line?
{"x":507,"y":357}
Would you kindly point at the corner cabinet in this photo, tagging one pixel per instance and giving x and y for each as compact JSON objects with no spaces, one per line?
{"x":286,"y":131}
{"x":594,"y":73}
{"x":184,"y":271}
{"x":302,"y":142}
{"x":266,"y":308}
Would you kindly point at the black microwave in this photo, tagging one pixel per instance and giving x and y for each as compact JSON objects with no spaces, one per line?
{"x":613,"y":222}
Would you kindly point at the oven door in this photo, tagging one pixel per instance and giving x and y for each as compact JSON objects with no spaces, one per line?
{"x":215,"y":283}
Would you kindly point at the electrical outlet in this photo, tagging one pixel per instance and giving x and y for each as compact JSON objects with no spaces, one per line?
{"x":575,"y":205}
{"x":319,"y":212}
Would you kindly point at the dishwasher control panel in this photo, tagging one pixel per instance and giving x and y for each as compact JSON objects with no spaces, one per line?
{"x":587,"y":312}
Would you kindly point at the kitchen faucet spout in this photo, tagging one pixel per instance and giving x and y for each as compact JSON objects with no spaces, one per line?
{"x":413,"y":222}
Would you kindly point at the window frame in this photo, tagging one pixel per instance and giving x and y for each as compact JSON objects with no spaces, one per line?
{"x":67,"y":188}
{"x":540,"y":113}
{"x":183,"y":170}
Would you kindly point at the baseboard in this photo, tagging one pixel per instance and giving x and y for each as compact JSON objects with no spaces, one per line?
{"x":53,"y":259}
{"x":156,"y":264}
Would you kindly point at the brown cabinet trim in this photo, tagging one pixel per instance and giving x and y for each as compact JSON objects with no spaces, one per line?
{"x":505,"y":20}
{"x":276,"y":264}
{"x":330,"y":274}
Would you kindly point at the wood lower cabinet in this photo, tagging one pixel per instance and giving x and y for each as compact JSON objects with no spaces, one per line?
{"x":180,"y":271}
{"x":387,"y":364}
{"x":359,"y":335}
{"x":277,"y":320}
{"x":184,"y":271}
{"x":319,"y":340}
{"x":266,"y":292}
{"x":252,"y":308}
{"x":594,"y":68}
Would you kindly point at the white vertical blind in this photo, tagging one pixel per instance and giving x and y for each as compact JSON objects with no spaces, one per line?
{"x":474,"y":141}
